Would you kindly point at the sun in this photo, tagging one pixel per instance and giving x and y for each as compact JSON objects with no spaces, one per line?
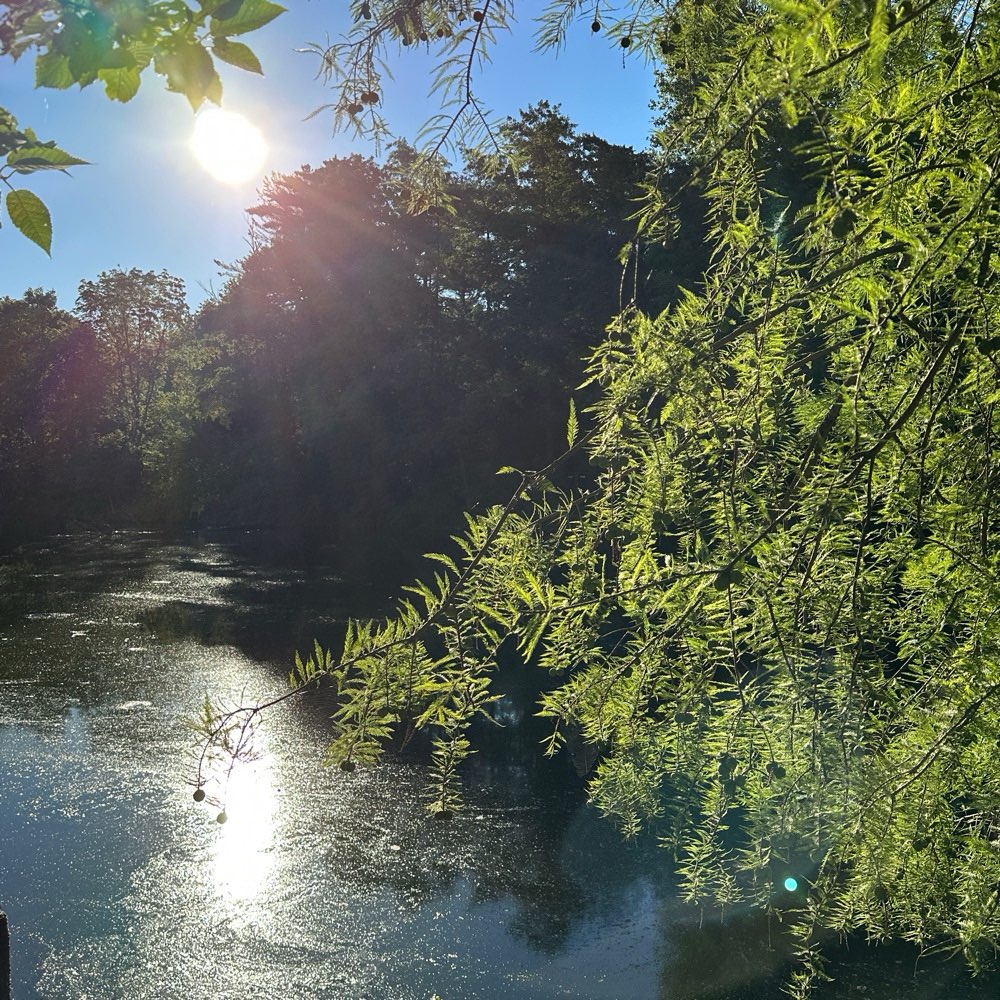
{"x":228,"y":146}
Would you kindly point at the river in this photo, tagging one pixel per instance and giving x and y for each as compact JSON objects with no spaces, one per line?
{"x":320,"y":884}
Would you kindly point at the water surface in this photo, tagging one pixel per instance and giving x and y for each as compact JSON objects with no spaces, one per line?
{"x":321,"y":884}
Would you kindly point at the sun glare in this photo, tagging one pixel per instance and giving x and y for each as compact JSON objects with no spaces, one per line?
{"x":228,"y":146}
{"x":244,"y":854}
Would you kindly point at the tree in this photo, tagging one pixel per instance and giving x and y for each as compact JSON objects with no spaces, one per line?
{"x":384,"y":364}
{"x":137,"y":316}
{"x":773,"y":615}
{"x":52,"y":391}
{"x":77,"y":44}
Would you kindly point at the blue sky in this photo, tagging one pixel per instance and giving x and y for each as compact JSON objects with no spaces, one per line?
{"x":145,"y":202}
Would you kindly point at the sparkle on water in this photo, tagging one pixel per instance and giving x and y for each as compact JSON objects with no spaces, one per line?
{"x":228,"y":146}
{"x":243,"y":852}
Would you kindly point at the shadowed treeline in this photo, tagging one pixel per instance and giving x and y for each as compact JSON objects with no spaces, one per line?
{"x":361,"y":376}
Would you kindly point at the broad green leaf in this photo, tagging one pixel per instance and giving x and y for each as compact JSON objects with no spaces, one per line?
{"x":120,"y":84}
{"x":237,"y":54}
{"x":42,"y":157}
{"x":214,"y":90}
{"x":118,"y":59}
{"x":28,"y":213}
{"x":142,"y":54}
{"x":189,"y":71}
{"x":86,"y":43}
{"x":52,"y":70}
{"x":225,"y":10}
{"x":251,"y":15}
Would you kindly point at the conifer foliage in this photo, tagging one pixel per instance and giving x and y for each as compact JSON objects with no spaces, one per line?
{"x":774,"y":612}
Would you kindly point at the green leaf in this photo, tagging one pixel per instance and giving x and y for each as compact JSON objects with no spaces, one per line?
{"x":28,"y":213}
{"x":224,"y":11}
{"x":214,"y":90}
{"x":120,"y":84}
{"x":251,"y":15}
{"x":237,"y":54}
{"x":142,"y":54}
{"x":52,"y":70}
{"x":571,"y":425}
{"x":27,"y":158}
{"x":189,"y":70}
{"x":442,"y":558}
{"x":86,"y":43}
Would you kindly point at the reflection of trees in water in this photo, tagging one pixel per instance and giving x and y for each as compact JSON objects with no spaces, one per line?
{"x":526,"y":840}
{"x":747,"y":954}
{"x":262,"y":610}
{"x":740,"y":956}
{"x":45,"y":578}
{"x":555,"y":873}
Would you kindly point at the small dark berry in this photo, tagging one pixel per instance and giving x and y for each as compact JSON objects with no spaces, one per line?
{"x":347,"y":765}
{"x":596,"y":26}
{"x":440,"y":32}
{"x":422,"y":36}
{"x":443,"y":815}
{"x":199,"y":794}
{"x":477,"y":16}
{"x":626,"y":42}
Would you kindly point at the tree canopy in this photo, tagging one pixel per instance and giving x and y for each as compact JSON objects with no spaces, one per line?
{"x":356,"y":383}
{"x":379,"y":359}
{"x":772,"y":612}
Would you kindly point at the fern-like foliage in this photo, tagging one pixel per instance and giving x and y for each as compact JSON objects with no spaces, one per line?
{"x":774,"y":612}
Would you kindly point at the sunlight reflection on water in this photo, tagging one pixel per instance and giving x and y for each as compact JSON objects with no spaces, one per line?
{"x":243,"y":855}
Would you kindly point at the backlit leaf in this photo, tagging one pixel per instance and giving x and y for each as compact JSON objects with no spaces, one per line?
{"x":237,"y":54}
{"x":120,"y":84}
{"x":28,"y":213}
{"x":189,"y":71}
{"x":42,"y":157}
{"x":251,"y":15}
{"x":52,"y":70}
